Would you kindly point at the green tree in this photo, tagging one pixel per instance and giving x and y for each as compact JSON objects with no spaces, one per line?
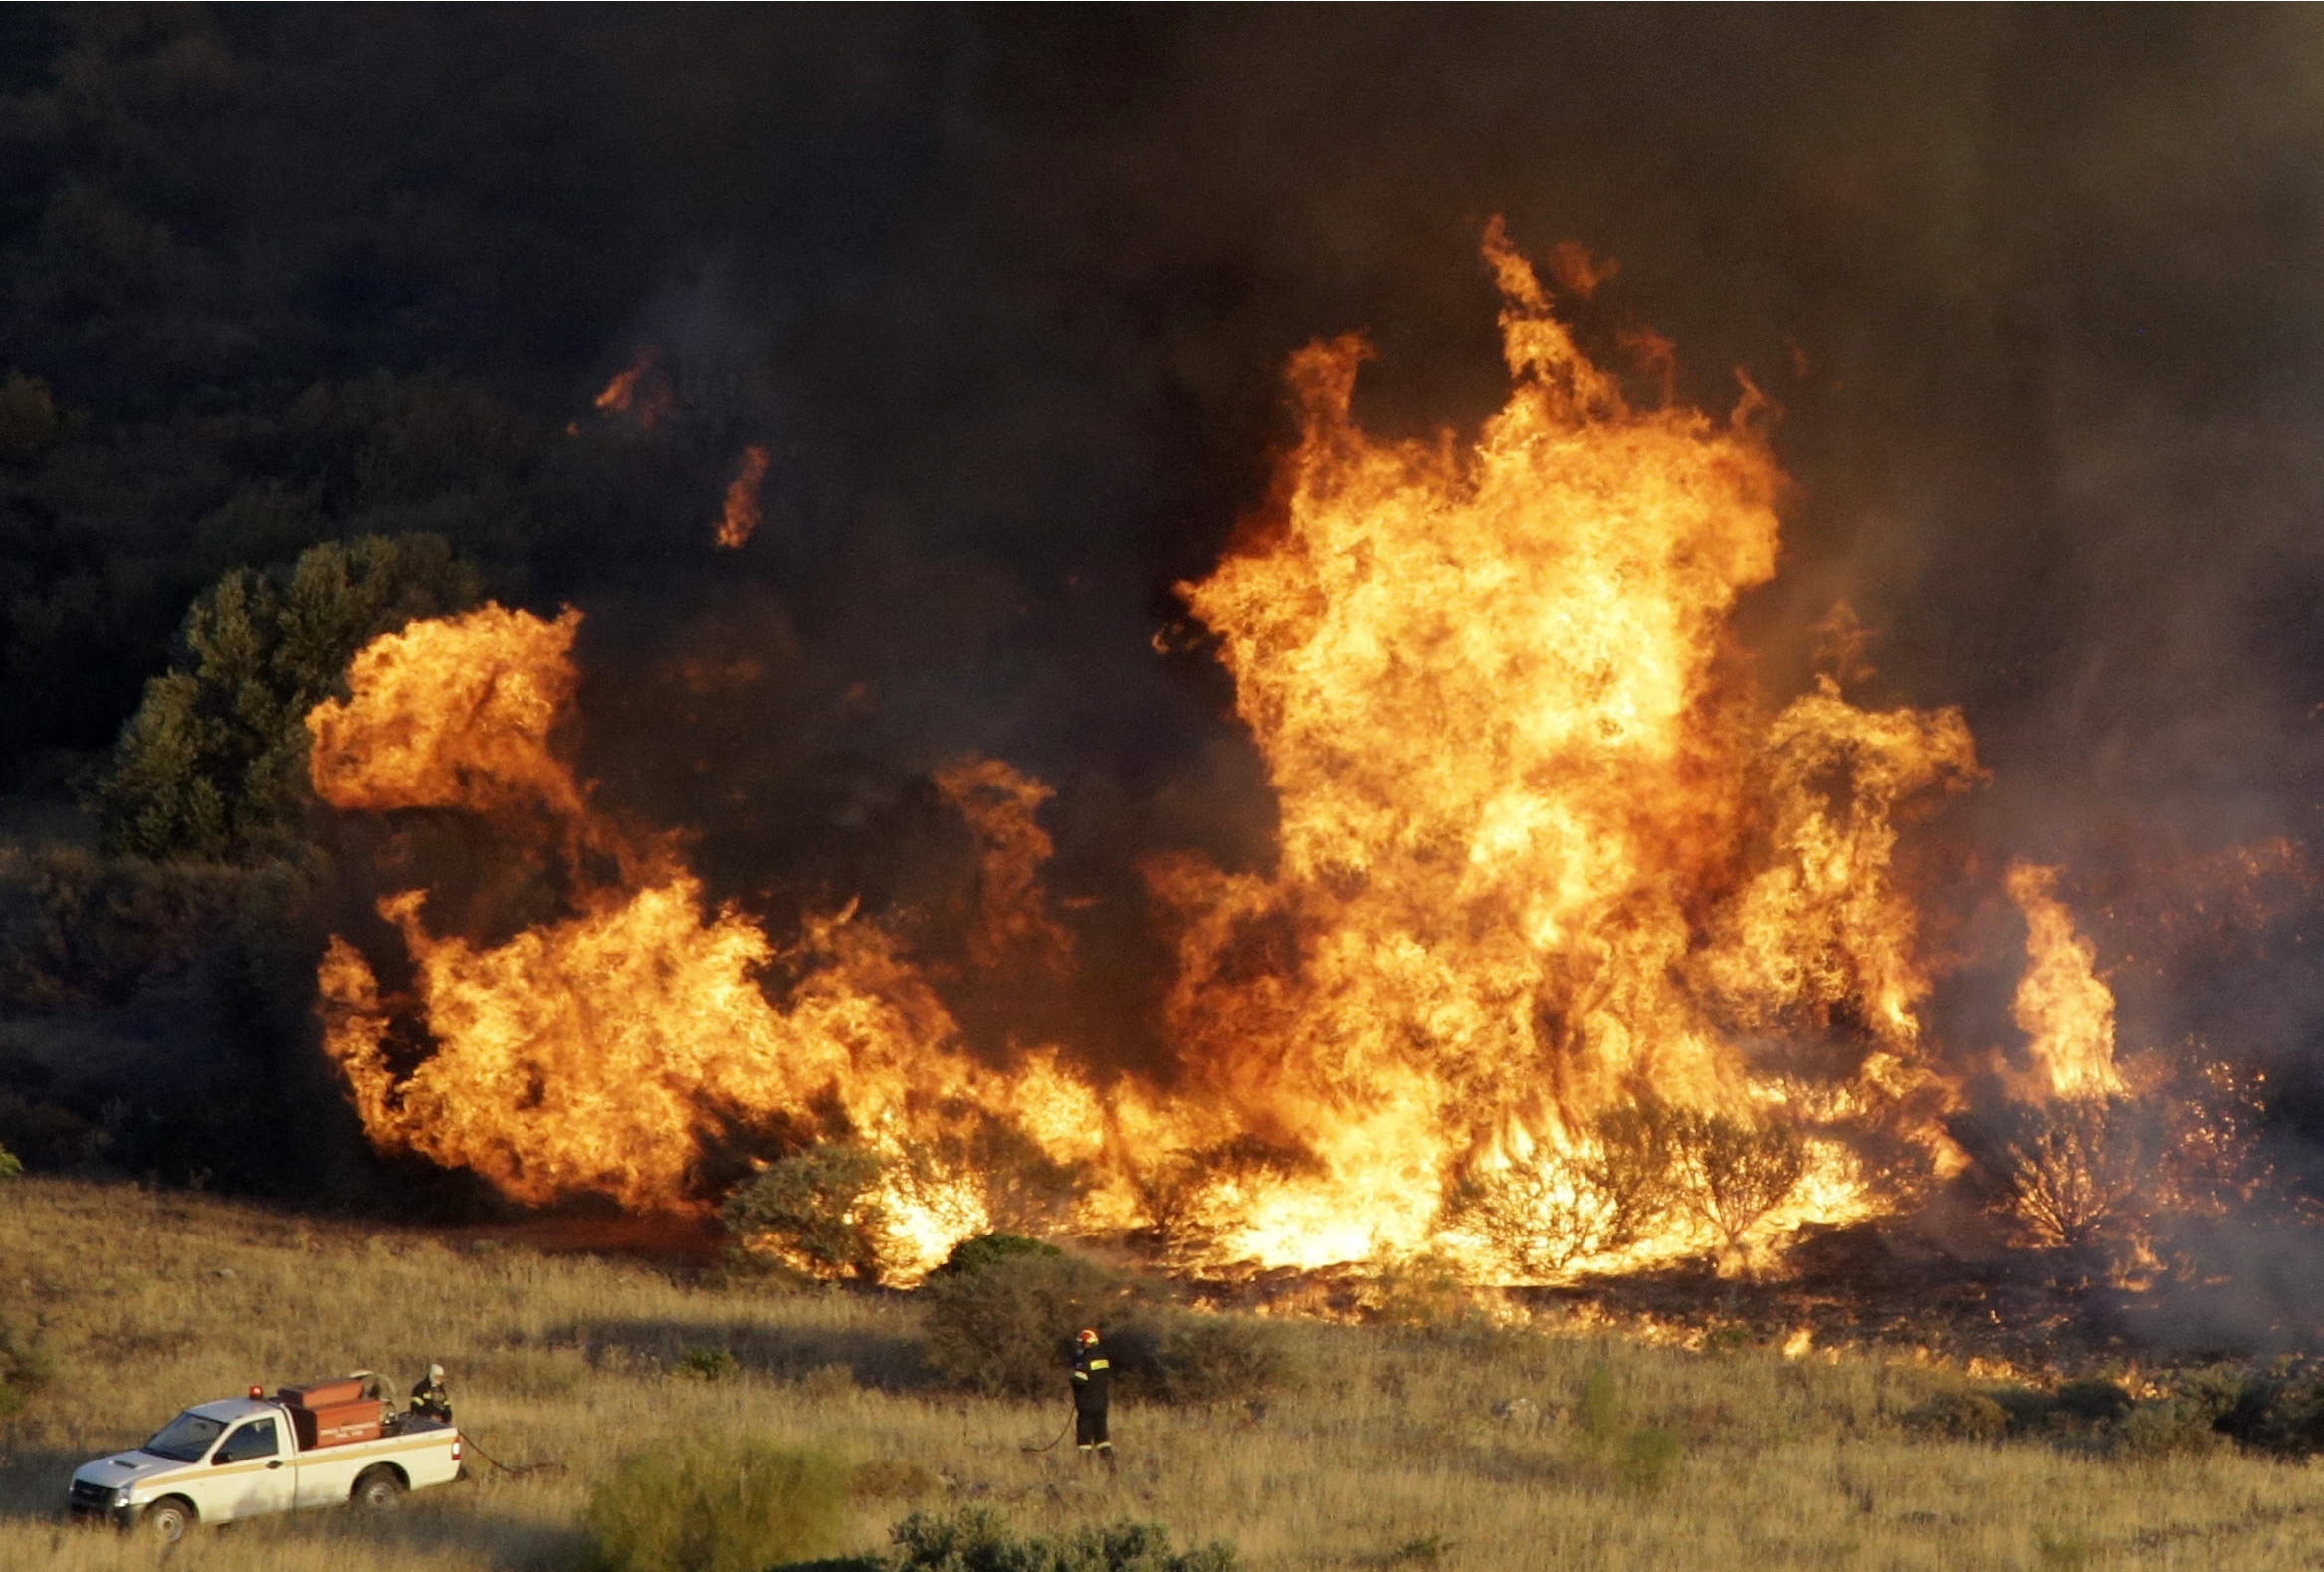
{"x":819,"y":1209}
{"x":211,"y":763}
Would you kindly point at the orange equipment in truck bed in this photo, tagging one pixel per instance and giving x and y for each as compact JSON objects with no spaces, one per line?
{"x":332,"y":1413}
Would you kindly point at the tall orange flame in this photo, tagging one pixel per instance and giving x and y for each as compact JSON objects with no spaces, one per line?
{"x":1537,"y":854}
{"x":1574,"y":955}
{"x":2062,"y":1006}
{"x":600,"y":1053}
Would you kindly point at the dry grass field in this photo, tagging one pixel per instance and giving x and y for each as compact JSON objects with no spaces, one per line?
{"x":1385,"y":1454}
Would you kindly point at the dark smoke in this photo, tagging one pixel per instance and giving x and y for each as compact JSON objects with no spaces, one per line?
{"x":1006,"y":295}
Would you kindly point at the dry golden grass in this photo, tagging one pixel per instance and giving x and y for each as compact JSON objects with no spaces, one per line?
{"x":1386,"y":1454}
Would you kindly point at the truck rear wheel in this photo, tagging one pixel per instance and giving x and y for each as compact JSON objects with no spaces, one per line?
{"x":169,"y":1519}
{"x":377,"y":1489}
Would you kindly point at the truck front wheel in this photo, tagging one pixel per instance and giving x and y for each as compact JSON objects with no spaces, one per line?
{"x":377,"y":1489}
{"x":169,"y":1519}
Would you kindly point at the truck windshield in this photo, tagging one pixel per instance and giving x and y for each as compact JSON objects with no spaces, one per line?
{"x":185,"y":1438}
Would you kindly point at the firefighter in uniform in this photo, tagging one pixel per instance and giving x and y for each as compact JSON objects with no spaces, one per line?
{"x":428,"y":1397}
{"x":1093,"y":1376}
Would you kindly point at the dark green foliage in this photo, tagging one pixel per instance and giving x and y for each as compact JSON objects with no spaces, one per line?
{"x":1597,"y":1409}
{"x":79,"y":930}
{"x":212,"y":764}
{"x":2091,"y":1401}
{"x":817,"y":1207}
{"x":716,"y":1506}
{"x":26,"y":1363}
{"x":1178,"y":1356}
{"x":978,"y":1539}
{"x":1960,"y":1416}
{"x":10,"y":1168}
{"x":1646,"y":1458}
{"x":1008,"y":1327}
{"x":990,"y":1250}
{"x":709,"y":1364}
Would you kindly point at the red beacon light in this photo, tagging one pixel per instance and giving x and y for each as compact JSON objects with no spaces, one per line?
{"x":258,"y":1392}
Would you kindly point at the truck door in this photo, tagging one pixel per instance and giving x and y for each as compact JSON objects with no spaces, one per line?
{"x":249,"y":1472}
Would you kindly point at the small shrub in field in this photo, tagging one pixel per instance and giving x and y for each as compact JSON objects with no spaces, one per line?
{"x":819,"y":1208}
{"x":709,"y":1364}
{"x":1646,"y":1458}
{"x":2093,"y":1402}
{"x":1007,"y":1326}
{"x":1177,"y":1356}
{"x":1597,"y":1411}
{"x":716,"y":1506}
{"x":1960,"y":1416}
{"x":26,"y":1365}
{"x":978,"y":1539}
{"x":2168,"y":1428}
{"x":991,"y":1250}
{"x":893,"y":1480}
{"x":9,"y":1166}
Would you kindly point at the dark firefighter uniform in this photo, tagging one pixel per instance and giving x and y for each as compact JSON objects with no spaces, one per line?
{"x":429,"y":1397}
{"x":1093,"y":1380}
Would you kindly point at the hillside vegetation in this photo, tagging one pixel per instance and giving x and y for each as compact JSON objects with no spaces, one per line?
{"x":1382,"y":1451}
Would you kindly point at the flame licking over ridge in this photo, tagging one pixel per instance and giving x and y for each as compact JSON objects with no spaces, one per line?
{"x":1554,"y":889}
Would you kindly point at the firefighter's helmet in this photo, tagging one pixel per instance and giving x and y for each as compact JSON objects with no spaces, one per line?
{"x":1089,"y":1336}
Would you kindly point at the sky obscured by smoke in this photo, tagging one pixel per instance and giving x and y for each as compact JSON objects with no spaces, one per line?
{"x":1007,"y":294}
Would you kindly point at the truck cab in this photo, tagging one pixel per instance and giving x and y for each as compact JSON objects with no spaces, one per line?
{"x":242,"y":1458}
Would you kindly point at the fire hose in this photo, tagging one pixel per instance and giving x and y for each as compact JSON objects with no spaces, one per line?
{"x":517,"y":1473}
{"x":1054,"y":1440}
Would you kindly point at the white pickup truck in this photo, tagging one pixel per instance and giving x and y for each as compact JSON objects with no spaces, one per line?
{"x":241,"y":1458}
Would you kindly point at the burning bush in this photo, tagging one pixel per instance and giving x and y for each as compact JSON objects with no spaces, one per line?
{"x":818,"y":1210}
{"x":2072,"y":1172}
{"x":1554,"y":1209}
{"x":1734,"y":1174}
{"x":716,"y":1506}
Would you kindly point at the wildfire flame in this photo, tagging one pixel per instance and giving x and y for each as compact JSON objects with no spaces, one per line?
{"x":599,"y":1053}
{"x":1574,"y":955}
{"x":741,"y":513}
{"x":639,"y":393}
{"x":1537,"y":852}
{"x":2062,"y":1006}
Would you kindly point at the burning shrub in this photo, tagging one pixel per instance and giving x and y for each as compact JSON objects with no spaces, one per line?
{"x":2072,"y":1172}
{"x":1732,"y":1174}
{"x":716,"y":1506}
{"x":1005,"y":1322}
{"x":1545,"y":1214}
{"x":817,"y":1208}
{"x":979,"y":1537}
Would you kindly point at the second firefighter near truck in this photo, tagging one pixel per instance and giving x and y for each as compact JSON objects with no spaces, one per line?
{"x":1093,"y":1378}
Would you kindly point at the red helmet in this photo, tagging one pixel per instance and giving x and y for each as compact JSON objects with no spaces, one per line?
{"x":1089,"y":1336}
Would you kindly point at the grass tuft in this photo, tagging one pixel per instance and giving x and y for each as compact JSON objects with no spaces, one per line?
{"x":716,"y":1506}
